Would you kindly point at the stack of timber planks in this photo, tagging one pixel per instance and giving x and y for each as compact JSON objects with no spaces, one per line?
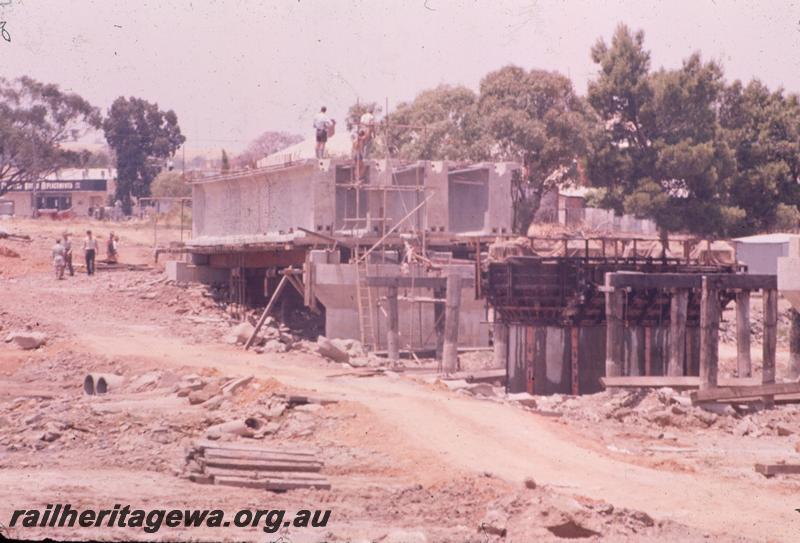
{"x":254,"y":466}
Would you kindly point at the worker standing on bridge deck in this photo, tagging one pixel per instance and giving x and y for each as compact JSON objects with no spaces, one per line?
{"x":367,"y":124}
{"x":58,"y":259}
{"x":359,"y":142}
{"x":322,"y":123}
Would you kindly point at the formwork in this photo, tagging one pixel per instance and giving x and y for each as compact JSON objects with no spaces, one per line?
{"x":553,"y":311}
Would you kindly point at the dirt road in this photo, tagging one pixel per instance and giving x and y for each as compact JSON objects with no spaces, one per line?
{"x":438,"y":432}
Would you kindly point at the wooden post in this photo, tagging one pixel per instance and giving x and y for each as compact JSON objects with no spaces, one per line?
{"x":181,"y":219}
{"x":648,"y":350}
{"x":530,"y":360}
{"x":692,"y":351}
{"x":575,"y":378}
{"x":743,"y":362}
{"x":438,"y":319}
{"x":615,"y":347}
{"x":709,"y":335}
{"x":677,"y":331}
{"x":500,"y":338}
{"x":392,"y":324}
{"x":770,"y":341}
{"x":260,"y":323}
{"x":794,"y":344}
{"x":450,"y":350}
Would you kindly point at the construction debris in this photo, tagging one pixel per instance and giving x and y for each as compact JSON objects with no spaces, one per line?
{"x":327,"y":349}
{"x":770,"y":470}
{"x":101,"y":383}
{"x":240,"y":333}
{"x":744,"y":392}
{"x":27,"y":340}
{"x":268,"y":468}
{"x":8,"y":252}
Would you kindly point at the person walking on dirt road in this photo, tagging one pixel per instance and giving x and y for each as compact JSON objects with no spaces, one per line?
{"x":90,"y":251}
{"x":68,"y":254}
{"x":58,"y":259}
{"x":111,"y":248}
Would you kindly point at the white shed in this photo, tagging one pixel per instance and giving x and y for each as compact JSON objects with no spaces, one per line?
{"x":760,"y":253}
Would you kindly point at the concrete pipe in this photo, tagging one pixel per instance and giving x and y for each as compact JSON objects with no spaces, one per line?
{"x":245,"y":428}
{"x":101,"y":383}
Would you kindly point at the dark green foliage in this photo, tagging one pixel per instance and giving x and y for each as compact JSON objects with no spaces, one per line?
{"x":142,"y":137}
{"x":35,"y":119}
{"x":536,"y":117}
{"x":663,"y":153}
{"x":762,"y":128}
{"x":440,"y":124}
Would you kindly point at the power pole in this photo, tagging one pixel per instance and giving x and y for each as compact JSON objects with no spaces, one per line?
{"x":35,"y":172}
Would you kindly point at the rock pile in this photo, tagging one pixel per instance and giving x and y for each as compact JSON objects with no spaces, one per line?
{"x":27,"y":340}
{"x":666,"y":408}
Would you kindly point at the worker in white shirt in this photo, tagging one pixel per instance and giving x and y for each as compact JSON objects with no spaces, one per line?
{"x":90,"y":252}
{"x":367,"y":124}
{"x":322,"y":124}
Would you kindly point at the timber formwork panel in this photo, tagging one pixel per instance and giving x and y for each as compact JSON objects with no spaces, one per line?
{"x":564,"y":291}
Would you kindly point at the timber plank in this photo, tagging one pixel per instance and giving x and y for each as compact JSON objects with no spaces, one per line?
{"x":208,"y":444}
{"x":728,"y":393}
{"x":276,"y":475}
{"x":262,"y":465}
{"x":658,"y":381}
{"x":270,"y":484}
{"x":213,"y":454}
{"x":769,"y":470}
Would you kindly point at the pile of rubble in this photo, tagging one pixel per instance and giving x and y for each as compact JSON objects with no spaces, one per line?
{"x":727,"y":327}
{"x":26,"y":340}
{"x":141,"y":418}
{"x":667,"y":408}
{"x":493,"y":510}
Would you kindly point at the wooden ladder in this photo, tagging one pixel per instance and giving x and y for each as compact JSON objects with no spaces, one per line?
{"x":364,"y":300}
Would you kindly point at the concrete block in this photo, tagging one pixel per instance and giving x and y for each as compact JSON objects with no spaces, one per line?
{"x":321,"y":256}
{"x":179,"y":271}
{"x":182,"y":272}
{"x":789,"y":279}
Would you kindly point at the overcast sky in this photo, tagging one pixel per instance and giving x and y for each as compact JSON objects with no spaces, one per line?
{"x":232,"y":69}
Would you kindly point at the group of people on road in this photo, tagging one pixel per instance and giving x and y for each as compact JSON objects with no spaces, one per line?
{"x":62,"y":253}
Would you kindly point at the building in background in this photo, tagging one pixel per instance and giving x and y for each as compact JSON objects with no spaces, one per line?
{"x":761,"y":252}
{"x":76,"y":190}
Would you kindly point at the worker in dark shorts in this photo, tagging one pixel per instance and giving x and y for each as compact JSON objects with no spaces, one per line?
{"x":322,"y":123}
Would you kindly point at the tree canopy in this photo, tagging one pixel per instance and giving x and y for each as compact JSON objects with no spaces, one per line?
{"x":142,"y":137}
{"x":267,"y":143}
{"x":439,"y":124}
{"x":661,"y":152}
{"x":35,"y":119}
{"x":171,"y":185}
{"x":537,"y":118}
{"x":681,"y":146}
{"x":762,"y":128}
